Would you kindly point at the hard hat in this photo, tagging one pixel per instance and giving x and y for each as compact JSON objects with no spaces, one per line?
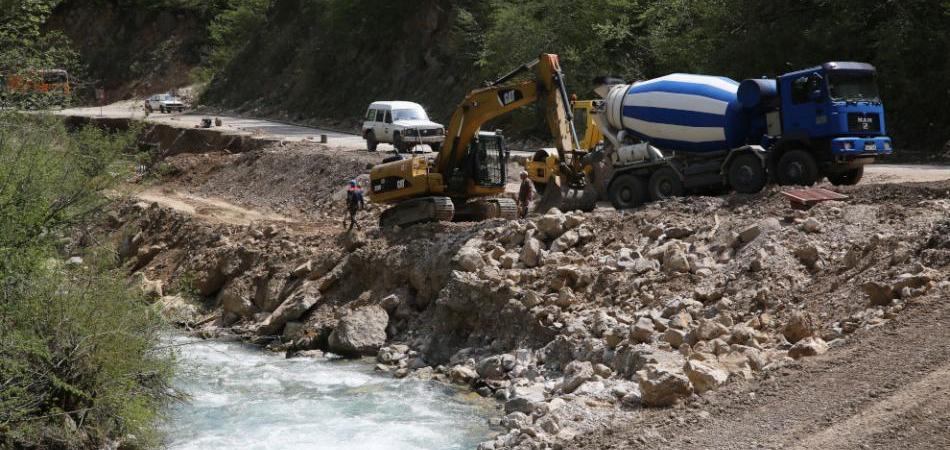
{"x":524,"y":173}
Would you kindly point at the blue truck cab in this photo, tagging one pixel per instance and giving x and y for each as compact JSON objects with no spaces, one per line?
{"x":828,"y":121}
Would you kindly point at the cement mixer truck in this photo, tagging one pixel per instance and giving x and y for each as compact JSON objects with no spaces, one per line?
{"x":682,"y":132}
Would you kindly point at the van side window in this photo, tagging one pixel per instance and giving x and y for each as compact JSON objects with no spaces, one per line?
{"x":389,"y":117}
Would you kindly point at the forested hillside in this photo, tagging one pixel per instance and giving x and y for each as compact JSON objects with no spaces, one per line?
{"x":306,"y":59}
{"x":329,"y":58}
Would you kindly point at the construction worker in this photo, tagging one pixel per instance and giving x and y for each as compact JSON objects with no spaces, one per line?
{"x":354,"y":203}
{"x":525,"y":195}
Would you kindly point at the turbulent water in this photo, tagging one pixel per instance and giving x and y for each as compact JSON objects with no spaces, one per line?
{"x":243,"y":398}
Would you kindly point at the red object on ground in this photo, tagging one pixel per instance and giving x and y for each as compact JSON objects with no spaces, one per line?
{"x":806,"y":198}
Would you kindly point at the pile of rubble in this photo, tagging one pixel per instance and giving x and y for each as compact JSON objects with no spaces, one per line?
{"x":564,"y":317}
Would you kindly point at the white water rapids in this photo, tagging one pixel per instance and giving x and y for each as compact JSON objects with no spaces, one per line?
{"x":245,"y":398}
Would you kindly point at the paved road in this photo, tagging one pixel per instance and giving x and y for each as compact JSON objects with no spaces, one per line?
{"x":268,"y":129}
{"x":265,"y":129}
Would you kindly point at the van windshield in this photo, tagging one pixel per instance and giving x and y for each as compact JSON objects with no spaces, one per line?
{"x":853,"y":86}
{"x":409,"y":114}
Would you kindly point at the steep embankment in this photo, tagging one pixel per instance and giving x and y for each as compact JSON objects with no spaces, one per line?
{"x":132,"y":48}
{"x":572,"y":320}
{"x":331,"y":59}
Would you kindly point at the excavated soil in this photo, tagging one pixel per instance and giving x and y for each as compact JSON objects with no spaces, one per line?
{"x":708,"y":322}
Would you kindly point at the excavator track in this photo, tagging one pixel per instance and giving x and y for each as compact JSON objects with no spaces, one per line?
{"x":507,"y":208}
{"x":488,"y":208}
{"x":418,"y":210}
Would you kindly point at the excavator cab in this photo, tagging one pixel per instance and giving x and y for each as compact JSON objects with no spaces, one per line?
{"x":486,"y":164}
{"x":490,"y":159}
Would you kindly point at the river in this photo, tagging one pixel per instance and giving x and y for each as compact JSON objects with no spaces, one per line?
{"x":245,"y":398}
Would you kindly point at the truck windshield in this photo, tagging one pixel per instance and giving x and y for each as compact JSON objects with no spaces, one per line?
{"x":853,"y":86}
{"x":409,"y":114}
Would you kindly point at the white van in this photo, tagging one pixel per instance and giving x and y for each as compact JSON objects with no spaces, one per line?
{"x":402,"y":124}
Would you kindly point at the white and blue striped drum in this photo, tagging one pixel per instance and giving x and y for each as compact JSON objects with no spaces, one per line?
{"x":681,"y":112}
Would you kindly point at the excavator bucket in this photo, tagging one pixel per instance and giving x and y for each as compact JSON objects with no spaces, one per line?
{"x":565,"y":198}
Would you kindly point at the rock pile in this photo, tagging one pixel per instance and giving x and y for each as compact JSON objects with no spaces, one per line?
{"x":563,"y":316}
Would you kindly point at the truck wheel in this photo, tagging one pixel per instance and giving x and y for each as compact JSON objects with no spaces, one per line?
{"x":849,"y":178}
{"x":371,"y":141}
{"x":797,"y":168}
{"x":746,"y":174}
{"x":665,"y":183}
{"x":627,"y":191}
{"x":436,"y":146}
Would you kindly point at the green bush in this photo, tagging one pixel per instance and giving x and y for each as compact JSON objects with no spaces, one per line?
{"x":79,"y":364}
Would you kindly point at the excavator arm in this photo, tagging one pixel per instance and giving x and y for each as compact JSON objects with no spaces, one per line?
{"x":502,"y":97}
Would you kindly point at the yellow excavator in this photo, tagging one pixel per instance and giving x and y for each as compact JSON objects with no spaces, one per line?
{"x":464,"y":179}
{"x":544,"y":163}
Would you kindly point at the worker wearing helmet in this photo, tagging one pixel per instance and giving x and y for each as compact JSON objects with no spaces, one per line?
{"x":525,"y":195}
{"x":354,"y":203}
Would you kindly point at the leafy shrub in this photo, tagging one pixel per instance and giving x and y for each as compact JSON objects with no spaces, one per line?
{"x":79,"y":365}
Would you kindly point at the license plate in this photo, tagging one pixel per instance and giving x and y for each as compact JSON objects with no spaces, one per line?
{"x":870,"y":146}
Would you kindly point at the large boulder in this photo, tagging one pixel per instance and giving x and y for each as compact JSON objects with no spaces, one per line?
{"x":676,"y":262}
{"x":495,"y":367}
{"x":237,"y":298}
{"x":879,"y":294}
{"x":177,"y":309}
{"x":470,"y":259}
{"x":575,"y":374}
{"x":642,"y":331}
{"x":811,"y":346}
{"x":291,"y":309}
{"x":551,"y":224}
{"x":360,"y":333}
{"x":705,"y":376}
{"x":531,"y":254}
{"x":462,"y":374}
{"x":663,"y":385}
{"x":525,"y":399}
{"x":565,"y":242}
{"x":800,"y":326}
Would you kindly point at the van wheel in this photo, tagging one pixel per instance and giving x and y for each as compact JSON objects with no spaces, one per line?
{"x":398,"y":143}
{"x":797,"y":168}
{"x":849,"y":178}
{"x":665,"y":183}
{"x":628,"y":191}
{"x":746,"y":174}
{"x":161,"y":109}
{"x":371,"y":141}
{"x":436,"y":146}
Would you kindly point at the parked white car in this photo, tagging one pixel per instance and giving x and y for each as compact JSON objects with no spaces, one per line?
{"x":164,"y":103}
{"x":402,"y":124}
